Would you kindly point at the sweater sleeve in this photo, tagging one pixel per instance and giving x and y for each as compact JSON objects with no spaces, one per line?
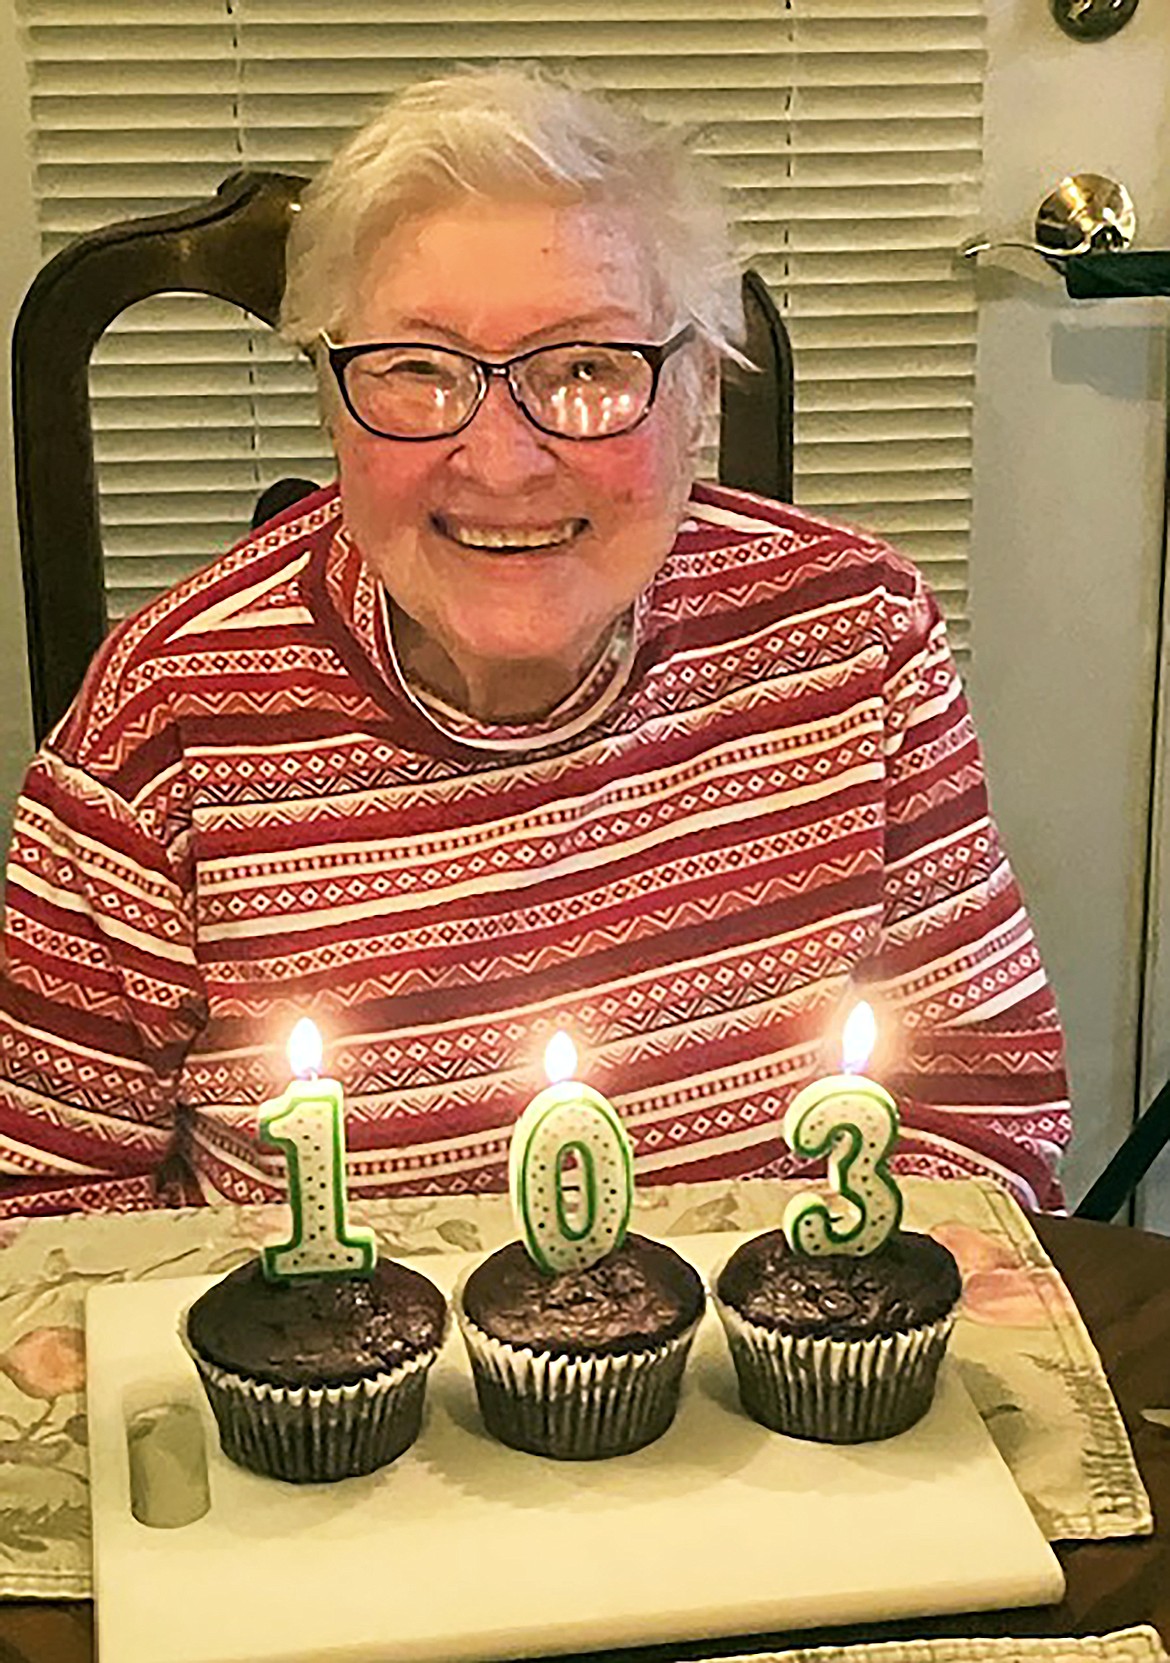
{"x":977,"y":1058}
{"x":100,"y":996}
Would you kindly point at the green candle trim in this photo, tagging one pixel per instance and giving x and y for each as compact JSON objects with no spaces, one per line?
{"x":820,"y":1122}
{"x":589,"y":1172}
{"x":593,"y":1131}
{"x":354,"y":1249}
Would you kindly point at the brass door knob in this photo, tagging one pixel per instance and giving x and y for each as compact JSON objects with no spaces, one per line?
{"x":1087,"y":213}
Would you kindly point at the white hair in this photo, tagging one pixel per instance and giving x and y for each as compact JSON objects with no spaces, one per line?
{"x":506,"y":133}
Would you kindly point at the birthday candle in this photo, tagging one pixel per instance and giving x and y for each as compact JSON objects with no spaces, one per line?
{"x":307,"y":1123}
{"x":570,"y":1127}
{"x":854,"y":1122}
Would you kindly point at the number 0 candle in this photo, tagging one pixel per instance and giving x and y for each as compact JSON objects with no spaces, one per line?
{"x":853,"y":1121}
{"x":570,"y":1169}
{"x":307,"y":1124}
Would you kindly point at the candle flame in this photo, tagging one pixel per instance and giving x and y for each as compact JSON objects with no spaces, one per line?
{"x":858,"y":1039}
{"x":560,"y":1058}
{"x":304,"y":1049}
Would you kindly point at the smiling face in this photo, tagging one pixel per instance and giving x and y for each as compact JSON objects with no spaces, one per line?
{"x":508,"y":554}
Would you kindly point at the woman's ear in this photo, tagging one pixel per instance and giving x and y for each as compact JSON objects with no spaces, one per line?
{"x":710,"y":372}
{"x":705,"y":411}
{"x":712,"y":376}
{"x":329,"y":405}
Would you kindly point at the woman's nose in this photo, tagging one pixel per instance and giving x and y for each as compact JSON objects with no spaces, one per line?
{"x":500,"y":448}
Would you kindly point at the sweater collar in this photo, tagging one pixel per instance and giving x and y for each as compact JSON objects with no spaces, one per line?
{"x":359,"y":604}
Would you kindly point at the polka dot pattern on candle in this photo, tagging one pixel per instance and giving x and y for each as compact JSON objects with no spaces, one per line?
{"x":571,"y":1177}
{"x":307,"y":1123}
{"x":854,"y":1123}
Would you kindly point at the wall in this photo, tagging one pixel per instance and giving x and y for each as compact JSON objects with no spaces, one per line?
{"x":1069,"y":468}
{"x":18,"y":262}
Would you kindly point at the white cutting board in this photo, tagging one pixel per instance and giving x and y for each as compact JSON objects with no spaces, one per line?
{"x":463,"y":1549}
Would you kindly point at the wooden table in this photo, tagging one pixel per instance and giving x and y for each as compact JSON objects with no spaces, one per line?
{"x":1121,"y":1281}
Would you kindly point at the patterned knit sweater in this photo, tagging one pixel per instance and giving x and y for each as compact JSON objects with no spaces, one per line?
{"x":773,"y":802}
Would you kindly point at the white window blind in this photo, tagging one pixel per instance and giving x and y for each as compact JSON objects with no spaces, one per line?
{"x":848,"y":133}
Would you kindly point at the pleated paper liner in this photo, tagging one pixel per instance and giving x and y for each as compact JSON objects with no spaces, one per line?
{"x":575,"y":1409}
{"x":835,"y":1391}
{"x":315,"y":1434}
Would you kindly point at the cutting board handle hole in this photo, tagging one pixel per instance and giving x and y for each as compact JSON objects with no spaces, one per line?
{"x":167,"y":1449}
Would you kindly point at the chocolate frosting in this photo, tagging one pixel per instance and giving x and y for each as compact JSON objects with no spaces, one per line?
{"x":911,"y":1280}
{"x":317,"y":1330}
{"x":640,"y":1295}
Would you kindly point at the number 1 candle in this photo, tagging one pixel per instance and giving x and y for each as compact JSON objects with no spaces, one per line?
{"x":306,"y":1123}
{"x":567,"y":1126}
{"x":854,"y":1122}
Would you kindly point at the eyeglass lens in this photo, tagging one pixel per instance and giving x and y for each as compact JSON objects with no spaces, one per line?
{"x":581,"y":392}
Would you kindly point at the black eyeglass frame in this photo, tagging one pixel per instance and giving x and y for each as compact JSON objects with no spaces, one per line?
{"x":653,"y":355}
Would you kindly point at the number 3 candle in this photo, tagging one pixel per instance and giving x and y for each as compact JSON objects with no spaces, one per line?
{"x":306,"y":1122}
{"x":853,"y":1121}
{"x":570,"y":1124}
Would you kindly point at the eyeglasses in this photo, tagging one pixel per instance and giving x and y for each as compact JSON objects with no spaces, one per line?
{"x":584,"y":390}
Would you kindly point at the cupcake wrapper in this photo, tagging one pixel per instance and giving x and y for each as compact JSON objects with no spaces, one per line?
{"x":835,"y":1391}
{"x":575,"y":1409}
{"x":315,"y":1434}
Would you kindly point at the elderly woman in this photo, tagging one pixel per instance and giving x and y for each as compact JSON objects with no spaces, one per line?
{"x":515,"y":727}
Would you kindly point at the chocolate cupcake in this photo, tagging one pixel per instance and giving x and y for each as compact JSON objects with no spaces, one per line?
{"x":319,"y":1377}
{"x":839,"y":1347}
{"x":580,"y":1364}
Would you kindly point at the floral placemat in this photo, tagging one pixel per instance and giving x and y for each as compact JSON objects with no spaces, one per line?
{"x":1125,"y":1645}
{"x":1023,"y":1351}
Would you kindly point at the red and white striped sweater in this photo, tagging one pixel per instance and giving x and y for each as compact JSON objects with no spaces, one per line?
{"x":777,"y":801}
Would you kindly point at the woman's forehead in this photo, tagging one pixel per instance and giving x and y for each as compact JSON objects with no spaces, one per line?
{"x":501,"y":275}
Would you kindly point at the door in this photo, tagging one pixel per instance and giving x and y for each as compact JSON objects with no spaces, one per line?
{"x":1068,"y":548}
